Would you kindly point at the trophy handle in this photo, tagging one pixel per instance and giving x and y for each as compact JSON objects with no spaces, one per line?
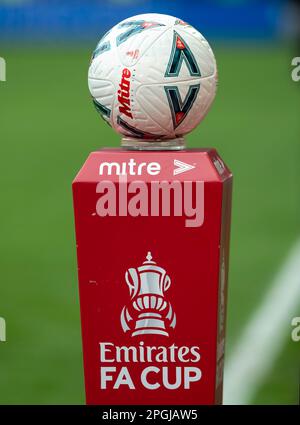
{"x":132,"y":280}
{"x":166,"y":283}
{"x":125,"y":319}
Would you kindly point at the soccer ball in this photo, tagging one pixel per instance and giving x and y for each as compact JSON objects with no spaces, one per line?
{"x":153,"y":77}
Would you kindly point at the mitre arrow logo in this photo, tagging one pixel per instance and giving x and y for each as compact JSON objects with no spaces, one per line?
{"x":182,"y":167}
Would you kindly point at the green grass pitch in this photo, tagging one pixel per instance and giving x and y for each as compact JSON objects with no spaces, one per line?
{"x":47,"y":128}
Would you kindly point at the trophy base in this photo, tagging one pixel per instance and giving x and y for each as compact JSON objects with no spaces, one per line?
{"x":150,"y":332}
{"x":153,"y":145}
{"x":152,"y":324}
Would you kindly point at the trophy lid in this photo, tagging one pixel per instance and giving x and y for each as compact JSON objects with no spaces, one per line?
{"x":150,"y":265}
{"x":149,"y":259}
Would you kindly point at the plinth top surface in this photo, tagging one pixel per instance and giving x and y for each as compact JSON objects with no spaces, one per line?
{"x":188,"y":164}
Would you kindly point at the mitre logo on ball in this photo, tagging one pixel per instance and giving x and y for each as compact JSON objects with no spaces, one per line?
{"x":149,"y":311}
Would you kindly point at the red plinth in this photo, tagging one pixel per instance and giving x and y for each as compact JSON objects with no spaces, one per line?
{"x":152,"y":232}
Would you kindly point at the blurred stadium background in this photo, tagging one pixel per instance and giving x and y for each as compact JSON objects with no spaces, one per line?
{"x":47,"y":128}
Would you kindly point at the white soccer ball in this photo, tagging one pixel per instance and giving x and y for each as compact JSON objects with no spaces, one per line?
{"x":153,"y":76}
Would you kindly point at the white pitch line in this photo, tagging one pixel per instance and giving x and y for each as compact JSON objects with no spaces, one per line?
{"x":265,"y":335}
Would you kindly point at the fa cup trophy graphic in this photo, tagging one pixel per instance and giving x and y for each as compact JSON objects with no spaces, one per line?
{"x":149,"y":312}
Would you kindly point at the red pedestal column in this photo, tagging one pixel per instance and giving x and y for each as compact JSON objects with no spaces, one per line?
{"x":152,"y":231}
